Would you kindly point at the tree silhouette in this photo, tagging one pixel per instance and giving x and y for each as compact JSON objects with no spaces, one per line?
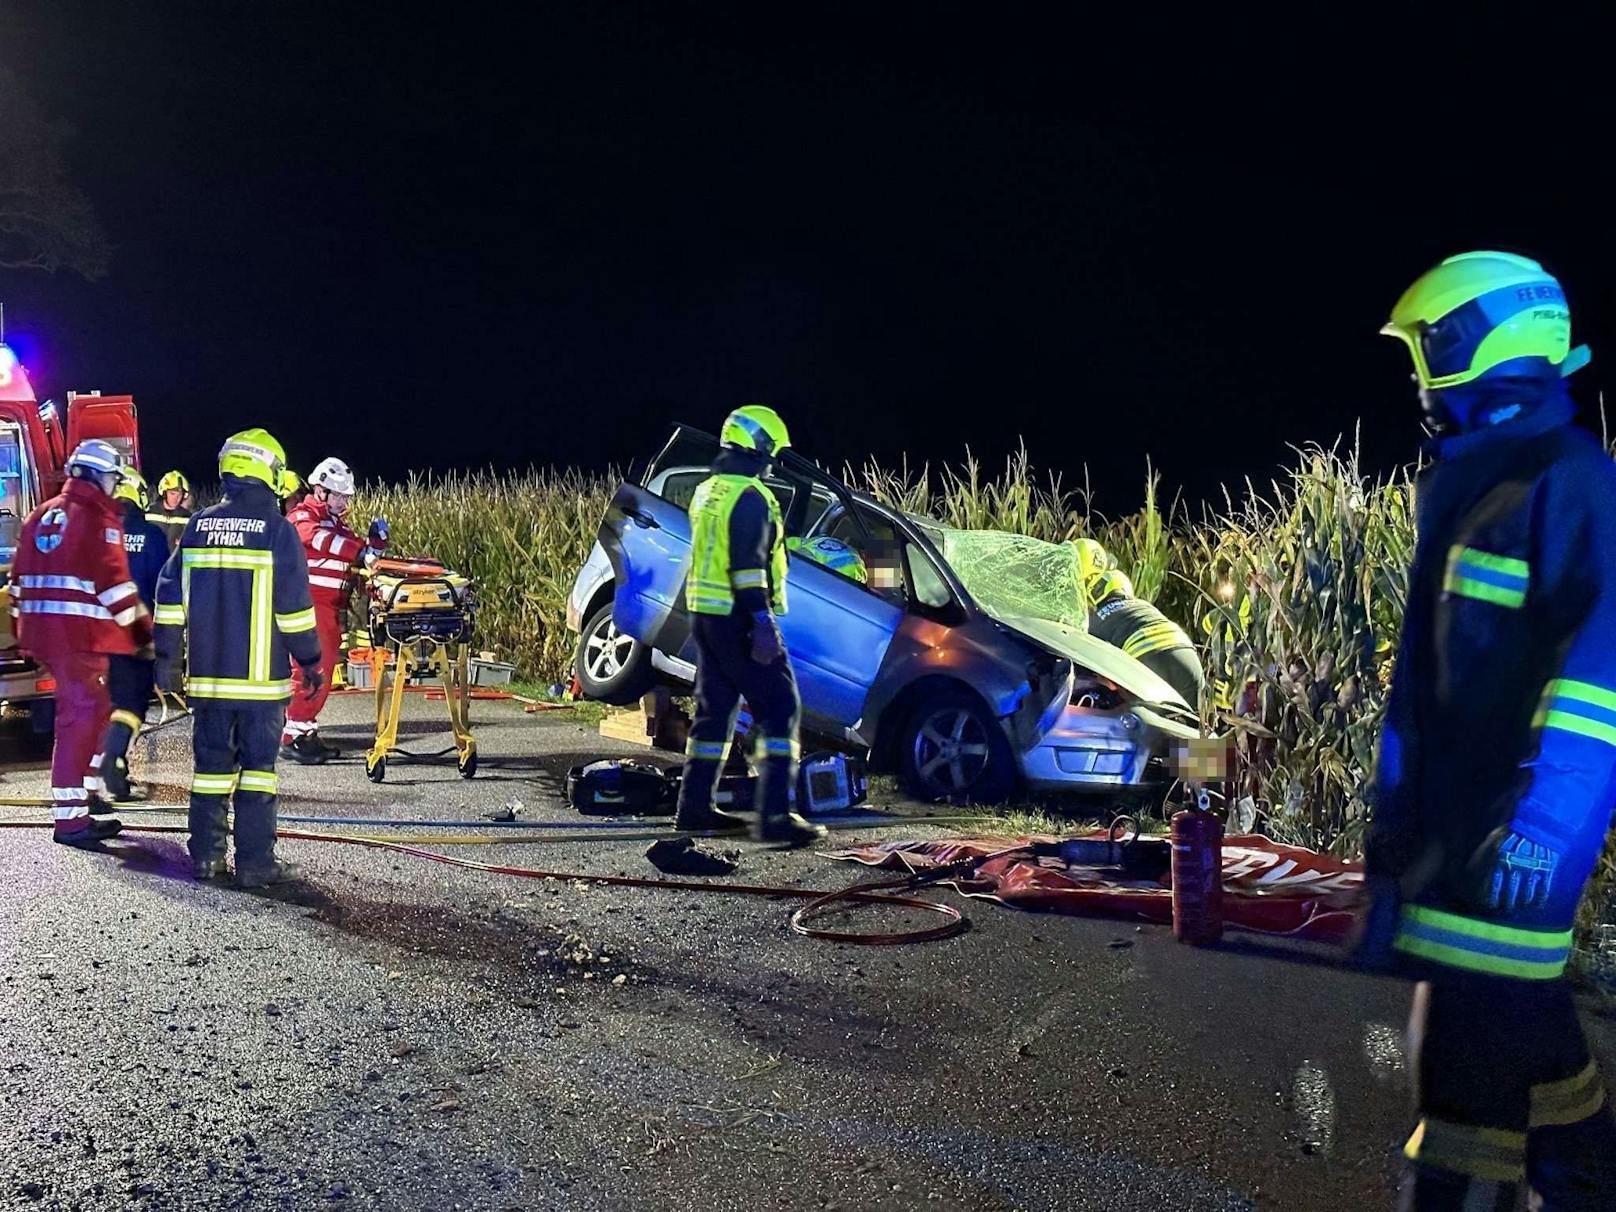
{"x":46,"y":222}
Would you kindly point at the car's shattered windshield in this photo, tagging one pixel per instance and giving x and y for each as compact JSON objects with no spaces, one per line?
{"x":1011,"y":576}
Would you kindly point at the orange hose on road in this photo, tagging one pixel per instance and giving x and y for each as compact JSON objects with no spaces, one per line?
{"x":858,"y":894}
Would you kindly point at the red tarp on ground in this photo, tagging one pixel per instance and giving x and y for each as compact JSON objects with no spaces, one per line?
{"x":1268,"y":887}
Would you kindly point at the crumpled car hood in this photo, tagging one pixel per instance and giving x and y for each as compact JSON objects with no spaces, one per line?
{"x":1097,"y":656}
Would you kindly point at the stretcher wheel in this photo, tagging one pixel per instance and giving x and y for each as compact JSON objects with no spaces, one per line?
{"x":375,"y":769}
{"x":468,"y":765}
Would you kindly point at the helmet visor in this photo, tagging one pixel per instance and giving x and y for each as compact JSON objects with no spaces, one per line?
{"x":1446,"y":348}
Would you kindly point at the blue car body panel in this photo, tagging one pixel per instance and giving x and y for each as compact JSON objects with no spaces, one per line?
{"x":838,"y":634}
{"x":837,"y":631}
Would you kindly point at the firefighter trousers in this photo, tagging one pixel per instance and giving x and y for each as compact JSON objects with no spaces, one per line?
{"x":302,"y":713}
{"x":129,"y":685}
{"x":1507,"y":1093}
{"x":81,"y":714}
{"x":236,"y":746}
{"x":725,"y":671}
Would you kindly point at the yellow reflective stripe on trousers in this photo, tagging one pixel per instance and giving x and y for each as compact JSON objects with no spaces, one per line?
{"x":266,"y":781}
{"x":1482,"y":946}
{"x":238,"y":688}
{"x":299,"y":620}
{"x":777,"y":746}
{"x":213,"y":784}
{"x":1492,"y":1154}
{"x":128,"y":719}
{"x":707,"y":751}
{"x":1568,"y":1101}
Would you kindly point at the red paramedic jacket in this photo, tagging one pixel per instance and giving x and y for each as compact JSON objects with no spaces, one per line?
{"x":332,"y":549}
{"x":70,"y":585}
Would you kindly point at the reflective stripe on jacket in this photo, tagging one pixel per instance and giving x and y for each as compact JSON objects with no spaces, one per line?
{"x":331,"y":548}
{"x":714,"y":581}
{"x":70,"y":582}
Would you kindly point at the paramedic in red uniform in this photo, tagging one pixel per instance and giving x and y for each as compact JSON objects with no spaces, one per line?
{"x":76,"y":606}
{"x":333,"y":552}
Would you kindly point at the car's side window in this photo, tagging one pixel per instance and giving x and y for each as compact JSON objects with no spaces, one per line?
{"x":928,"y":583}
{"x":679,"y":486}
{"x":877,"y":543}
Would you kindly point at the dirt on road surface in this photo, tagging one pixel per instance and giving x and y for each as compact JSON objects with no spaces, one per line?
{"x":394,"y":1033}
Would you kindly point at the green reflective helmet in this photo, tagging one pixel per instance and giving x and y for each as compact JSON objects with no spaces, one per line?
{"x":132,"y":487}
{"x":1108,"y":584}
{"x":253,"y":454}
{"x":833,"y":554}
{"x":755,"y":427}
{"x":1477,"y":312}
{"x":173,"y":481}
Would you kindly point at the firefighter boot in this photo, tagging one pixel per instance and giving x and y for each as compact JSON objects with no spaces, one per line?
{"x":96,"y":831}
{"x":307,"y":750}
{"x":787,"y":829}
{"x":776,"y":821}
{"x":334,"y":751}
{"x":209,"y":841}
{"x":256,"y":864}
{"x":276,"y":871}
{"x":695,"y":813}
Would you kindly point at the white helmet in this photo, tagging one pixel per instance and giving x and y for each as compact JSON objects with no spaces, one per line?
{"x":334,"y":476}
{"x":95,"y":456}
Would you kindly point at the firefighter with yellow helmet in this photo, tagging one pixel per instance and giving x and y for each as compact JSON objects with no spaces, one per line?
{"x":1134,"y":625}
{"x":1497,"y":762}
{"x":234,"y":598}
{"x":736,"y":587}
{"x":172,"y":508}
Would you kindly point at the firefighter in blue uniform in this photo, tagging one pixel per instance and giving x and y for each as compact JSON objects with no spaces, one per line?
{"x":129,"y":678}
{"x":1497,"y":765}
{"x":234,"y":598}
{"x":736,"y":586}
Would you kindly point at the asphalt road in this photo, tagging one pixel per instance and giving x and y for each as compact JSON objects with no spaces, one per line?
{"x":394,"y":1033}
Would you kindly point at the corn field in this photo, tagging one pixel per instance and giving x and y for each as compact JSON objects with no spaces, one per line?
{"x":520,"y":535}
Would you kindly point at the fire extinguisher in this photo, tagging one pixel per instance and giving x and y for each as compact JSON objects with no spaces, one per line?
{"x":1198,"y":873}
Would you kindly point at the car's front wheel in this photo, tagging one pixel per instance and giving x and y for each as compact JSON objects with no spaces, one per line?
{"x":612,"y":667}
{"x":952,"y":749}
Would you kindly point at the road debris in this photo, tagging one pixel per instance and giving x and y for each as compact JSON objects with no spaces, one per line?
{"x":681,"y":856}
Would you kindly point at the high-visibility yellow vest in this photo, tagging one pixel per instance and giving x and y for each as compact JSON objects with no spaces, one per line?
{"x":711,"y":586}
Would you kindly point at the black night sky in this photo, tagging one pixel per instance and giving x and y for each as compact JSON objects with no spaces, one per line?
{"x":446,"y":236}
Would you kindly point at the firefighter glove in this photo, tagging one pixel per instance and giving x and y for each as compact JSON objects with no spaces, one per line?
{"x":1371,"y":940}
{"x":767,"y":645}
{"x":379,"y":533}
{"x":313,"y":679}
{"x":1521,"y":874}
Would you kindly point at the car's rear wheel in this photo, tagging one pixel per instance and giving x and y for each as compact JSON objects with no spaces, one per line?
{"x":612,"y":667}
{"x":952,"y":749}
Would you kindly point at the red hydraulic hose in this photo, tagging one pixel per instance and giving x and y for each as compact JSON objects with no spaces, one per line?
{"x":858,"y":894}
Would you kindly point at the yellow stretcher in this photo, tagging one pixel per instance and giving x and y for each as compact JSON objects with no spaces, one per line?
{"x":421,"y":620}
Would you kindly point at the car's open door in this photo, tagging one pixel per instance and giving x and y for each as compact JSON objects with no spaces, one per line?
{"x":647,"y":540}
{"x":837,"y":630}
